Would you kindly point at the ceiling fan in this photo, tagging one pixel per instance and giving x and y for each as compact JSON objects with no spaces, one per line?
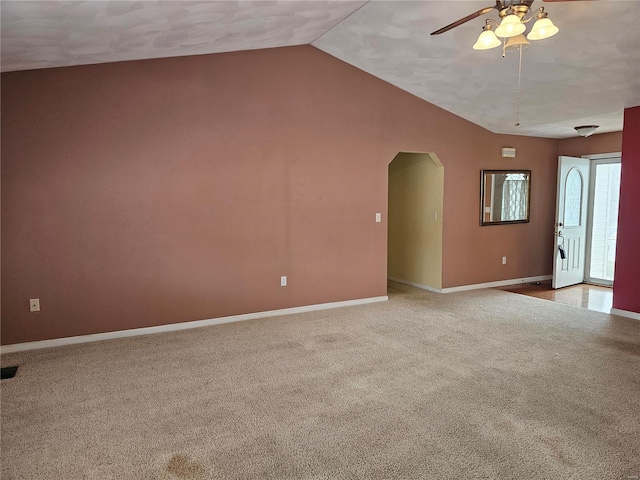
{"x":505,"y":8}
{"x":514,"y":14}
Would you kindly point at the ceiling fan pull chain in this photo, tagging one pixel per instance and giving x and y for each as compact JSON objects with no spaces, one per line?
{"x":519,"y":80}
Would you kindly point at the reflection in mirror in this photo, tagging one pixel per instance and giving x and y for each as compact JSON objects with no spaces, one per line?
{"x":505,"y":196}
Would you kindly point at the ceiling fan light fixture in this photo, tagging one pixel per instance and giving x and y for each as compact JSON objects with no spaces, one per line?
{"x":543,"y":28}
{"x":510,"y":26}
{"x":516,"y":42}
{"x":487,"y":39}
{"x":586,"y":130}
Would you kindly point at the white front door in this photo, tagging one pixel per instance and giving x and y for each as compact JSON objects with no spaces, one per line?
{"x":571,"y":221}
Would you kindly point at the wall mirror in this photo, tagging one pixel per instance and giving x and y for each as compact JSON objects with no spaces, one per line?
{"x":505,"y":196}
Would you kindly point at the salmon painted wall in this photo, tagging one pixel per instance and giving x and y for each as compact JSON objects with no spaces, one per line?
{"x":626,"y":285}
{"x":593,"y":145}
{"x":473,"y":254}
{"x":161,"y":191}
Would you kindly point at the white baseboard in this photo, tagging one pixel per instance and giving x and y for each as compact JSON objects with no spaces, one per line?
{"x":477,"y":286}
{"x":414,"y":284}
{"x":499,"y":283}
{"x":58,"y":342}
{"x":625,"y":313}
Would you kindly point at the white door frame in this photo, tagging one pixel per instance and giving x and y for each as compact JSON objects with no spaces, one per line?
{"x":601,"y":158}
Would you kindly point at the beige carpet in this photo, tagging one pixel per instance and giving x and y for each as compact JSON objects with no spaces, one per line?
{"x":481,"y":384}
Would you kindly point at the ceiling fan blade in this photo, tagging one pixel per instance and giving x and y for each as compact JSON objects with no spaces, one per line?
{"x":465,"y":19}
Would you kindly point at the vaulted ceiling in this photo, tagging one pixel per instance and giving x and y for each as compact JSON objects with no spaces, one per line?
{"x":586,"y":74}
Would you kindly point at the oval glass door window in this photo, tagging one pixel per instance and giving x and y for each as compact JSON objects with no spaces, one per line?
{"x":573,"y":199}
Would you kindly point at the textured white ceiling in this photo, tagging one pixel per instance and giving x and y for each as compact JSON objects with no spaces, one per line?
{"x":586,"y":74}
{"x":54,"y":33}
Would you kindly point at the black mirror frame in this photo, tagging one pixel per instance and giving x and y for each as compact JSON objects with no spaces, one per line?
{"x":483,"y":174}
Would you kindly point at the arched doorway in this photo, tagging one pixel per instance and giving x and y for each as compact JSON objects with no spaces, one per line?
{"x":414,"y":242}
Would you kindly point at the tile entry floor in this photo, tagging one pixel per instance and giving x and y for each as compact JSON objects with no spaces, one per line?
{"x":592,"y":297}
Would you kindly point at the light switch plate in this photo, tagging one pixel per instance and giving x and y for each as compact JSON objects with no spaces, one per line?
{"x":378,"y":217}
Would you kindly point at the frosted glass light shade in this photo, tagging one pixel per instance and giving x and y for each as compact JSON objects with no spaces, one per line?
{"x":519,"y":41}
{"x":586,"y":130}
{"x":510,"y":27}
{"x":487,"y":40}
{"x":543,"y":28}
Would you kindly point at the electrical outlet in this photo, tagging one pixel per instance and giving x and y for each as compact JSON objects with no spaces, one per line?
{"x":283,"y":281}
{"x":504,"y":260}
{"x":34,"y":305}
